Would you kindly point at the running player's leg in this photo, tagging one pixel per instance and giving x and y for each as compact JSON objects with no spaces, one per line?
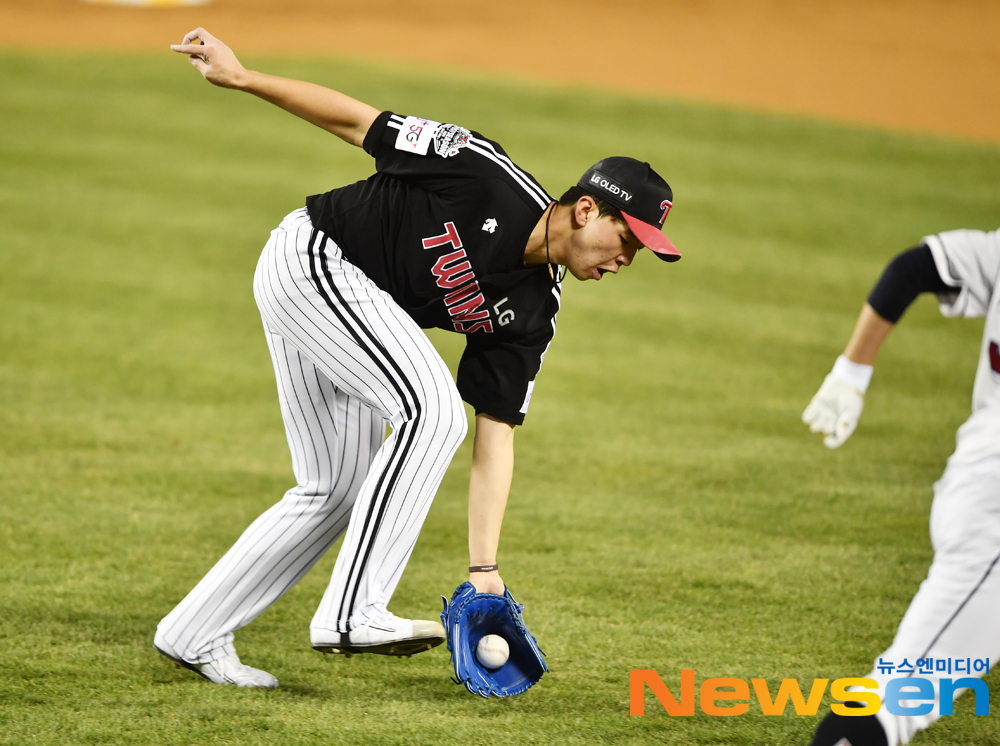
{"x":363,"y":341}
{"x":954,"y":613}
{"x":332,"y":438}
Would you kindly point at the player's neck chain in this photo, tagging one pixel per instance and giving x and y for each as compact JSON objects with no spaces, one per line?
{"x":548,"y":260}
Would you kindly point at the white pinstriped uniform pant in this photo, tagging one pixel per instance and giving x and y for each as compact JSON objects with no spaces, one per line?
{"x":347,"y":359}
{"x":956,"y":612}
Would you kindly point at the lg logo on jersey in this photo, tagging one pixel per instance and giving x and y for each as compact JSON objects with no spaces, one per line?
{"x":503,"y":317}
{"x":453,"y":272}
{"x":995,"y":357}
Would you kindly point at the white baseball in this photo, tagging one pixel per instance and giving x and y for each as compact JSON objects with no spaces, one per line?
{"x":492,"y":651}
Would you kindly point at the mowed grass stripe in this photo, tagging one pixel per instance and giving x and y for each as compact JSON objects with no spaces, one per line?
{"x":669,"y":510}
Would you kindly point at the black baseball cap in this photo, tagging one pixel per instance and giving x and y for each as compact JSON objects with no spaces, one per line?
{"x":641,"y":194}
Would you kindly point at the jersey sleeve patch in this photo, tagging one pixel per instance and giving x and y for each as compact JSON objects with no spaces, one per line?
{"x":416,"y":135}
{"x":449,"y":139}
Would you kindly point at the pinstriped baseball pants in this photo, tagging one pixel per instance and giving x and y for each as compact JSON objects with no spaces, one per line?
{"x":954,"y":613}
{"x":347,"y":359}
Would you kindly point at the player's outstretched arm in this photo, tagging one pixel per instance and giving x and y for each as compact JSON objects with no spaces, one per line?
{"x":836,"y":408}
{"x":489,"y":486}
{"x":335,"y":112}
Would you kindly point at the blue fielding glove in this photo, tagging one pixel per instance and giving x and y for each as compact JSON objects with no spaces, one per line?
{"x":467,"y":618}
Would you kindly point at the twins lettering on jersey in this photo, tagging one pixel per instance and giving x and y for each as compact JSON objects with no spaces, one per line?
{"x":453,"y":272}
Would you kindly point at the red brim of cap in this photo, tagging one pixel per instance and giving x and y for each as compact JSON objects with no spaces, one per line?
{"x":653,"y":239}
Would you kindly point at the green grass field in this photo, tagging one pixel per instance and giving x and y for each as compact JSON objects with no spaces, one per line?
{"x":668,"y":511}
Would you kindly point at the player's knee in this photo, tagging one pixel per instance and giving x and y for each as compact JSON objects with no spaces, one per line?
{"x":444,"y":419}
{"x":454,"y":425}
{"x":439,"y":413}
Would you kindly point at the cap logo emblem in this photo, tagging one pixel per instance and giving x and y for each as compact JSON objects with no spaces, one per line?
{"x":665,"y":205}
{"x":606,"y":184}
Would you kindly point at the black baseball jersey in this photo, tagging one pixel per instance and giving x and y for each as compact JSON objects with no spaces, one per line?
{"x":442,"y":227}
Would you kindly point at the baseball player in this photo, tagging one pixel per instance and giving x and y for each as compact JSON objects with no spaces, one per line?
{"x":953,"y":616}
{"x":449,"y":233}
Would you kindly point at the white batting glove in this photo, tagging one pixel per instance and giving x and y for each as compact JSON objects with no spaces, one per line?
{"x":836,"y":408}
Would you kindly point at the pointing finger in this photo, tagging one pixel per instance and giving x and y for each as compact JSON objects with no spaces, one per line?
{"x":197,"y":49}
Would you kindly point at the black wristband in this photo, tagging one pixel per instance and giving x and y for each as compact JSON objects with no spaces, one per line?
{"x":484,"y":568}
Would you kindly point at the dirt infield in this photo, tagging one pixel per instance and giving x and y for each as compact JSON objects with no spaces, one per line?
{"x":923,"y":65}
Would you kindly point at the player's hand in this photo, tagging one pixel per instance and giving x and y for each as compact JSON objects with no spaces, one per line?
{"x":214,"y":60}
{"x":834,"y":411}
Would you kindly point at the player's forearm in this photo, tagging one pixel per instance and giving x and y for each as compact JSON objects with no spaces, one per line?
{"x":837,"y":406}
{"x":869,"y":334}
{"x":347,"y":118}
{"x":333,"y":111}
{"x":908,"y":275}
{"x":489,"y":486}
